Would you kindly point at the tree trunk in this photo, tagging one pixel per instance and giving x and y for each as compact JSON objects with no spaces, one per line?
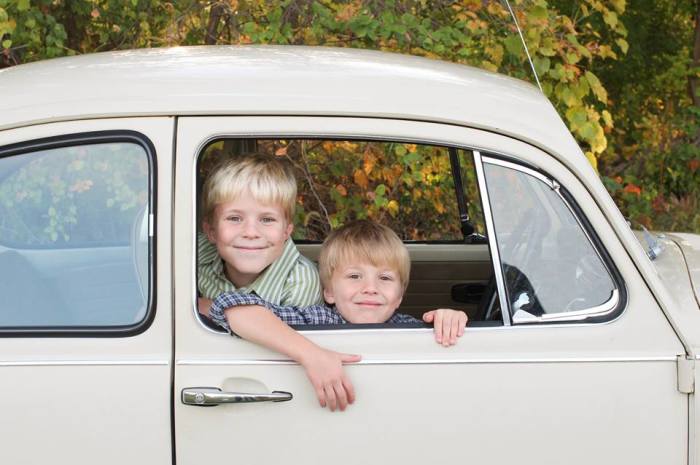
{"x":694,"y":80}
{"x":217,"y":11}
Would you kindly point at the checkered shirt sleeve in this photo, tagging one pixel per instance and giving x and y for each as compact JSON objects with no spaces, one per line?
{"x":402,"y":319}
{"x":311,"y":315}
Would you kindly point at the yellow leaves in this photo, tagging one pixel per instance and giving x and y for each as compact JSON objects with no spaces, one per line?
{"x":281,"y":152}
{"x":368,"y":162}
{"x":598,"y":141}
{"x":347,"y":12}
{"x":495,"y":52}
{"x":341,"y":190}
{"x":439,"y":206}
{"x":610,"y":18}
{"x":619,"y":5}
{"x":95,"y":13}
{"x":393,"y":208}
{"x":607,"y":119}
{"x":622,"y":43}
{"x":487,"y":65}
{"x":597,"y":88}
{"x":360,"y":179}
{"x":606,"y":51}
{"x":592,"y":160}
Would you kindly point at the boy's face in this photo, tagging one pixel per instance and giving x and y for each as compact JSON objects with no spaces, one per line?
{"x":364,"y":293}
{"x":249,"y":236}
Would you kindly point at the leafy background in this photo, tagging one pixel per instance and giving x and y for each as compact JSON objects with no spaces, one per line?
{"x":624,"y":75}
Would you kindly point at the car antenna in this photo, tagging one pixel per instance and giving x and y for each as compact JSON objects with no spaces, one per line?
{"x":522,"y":39}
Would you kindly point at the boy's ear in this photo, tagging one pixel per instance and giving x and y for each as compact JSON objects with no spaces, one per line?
{"x":208,"y":231}
{"x":328,"y":296}
{"x":290,"y":228}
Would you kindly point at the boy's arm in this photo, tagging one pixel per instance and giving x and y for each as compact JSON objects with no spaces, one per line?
{"x":448,"y":324}
{"x":324,"y":368}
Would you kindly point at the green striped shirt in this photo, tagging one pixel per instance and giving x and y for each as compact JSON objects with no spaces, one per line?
{"x":292,"y":279}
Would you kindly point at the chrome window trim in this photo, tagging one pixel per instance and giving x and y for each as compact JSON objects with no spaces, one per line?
{"x":601,"y":310}
{"x":491,"y":235}
{"x":34,"y":363}
{"x":441,"y":361}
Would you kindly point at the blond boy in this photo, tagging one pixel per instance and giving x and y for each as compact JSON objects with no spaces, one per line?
{"x":248,"y":205}
{"x":364,"y":270}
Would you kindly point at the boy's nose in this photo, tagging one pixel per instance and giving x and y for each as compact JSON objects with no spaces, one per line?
{"x":250,"y":229}
{"x":370,"y":287}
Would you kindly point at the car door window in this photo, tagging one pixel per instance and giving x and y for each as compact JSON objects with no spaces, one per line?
{"x":74,"y":236}
{"x":409,"y":187}
{"x":552,"y":270}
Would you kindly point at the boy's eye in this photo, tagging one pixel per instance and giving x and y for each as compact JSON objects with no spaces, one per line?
{"x":386,"y":277}
{"x":268,"y":219}
{"x":234,"y":218}
{"x":353,"y":276}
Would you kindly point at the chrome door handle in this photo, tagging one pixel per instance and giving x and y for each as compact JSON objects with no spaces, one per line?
{"x":209,"y":397}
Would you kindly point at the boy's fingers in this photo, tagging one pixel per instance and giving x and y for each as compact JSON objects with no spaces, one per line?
{"x":454,"y":328}
{"x":446,"y":329}
{"x":340,"y":395}
{"x":330,"y":397}
{"x":463,"y":318}
{"x":349,"y":389}
{"x":321,"y":395}
{"x":350,"y":358}
{"x":438,"y":327}
{"x":429,"y":316}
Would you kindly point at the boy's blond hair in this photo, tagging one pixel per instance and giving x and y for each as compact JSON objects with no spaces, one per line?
{"x":367,"y":242}
{"x":268,"y":179}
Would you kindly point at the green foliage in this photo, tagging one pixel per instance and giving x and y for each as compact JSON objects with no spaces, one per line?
{"x":617,"y":71}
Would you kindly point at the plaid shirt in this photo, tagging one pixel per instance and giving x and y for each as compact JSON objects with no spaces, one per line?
{"x":312,"y":315}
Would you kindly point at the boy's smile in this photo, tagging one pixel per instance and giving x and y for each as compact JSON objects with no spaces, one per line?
{"x":364,"y":293}
{"x":249,"y":236}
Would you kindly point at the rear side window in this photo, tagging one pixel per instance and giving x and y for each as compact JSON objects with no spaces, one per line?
{"x":74,"y":236}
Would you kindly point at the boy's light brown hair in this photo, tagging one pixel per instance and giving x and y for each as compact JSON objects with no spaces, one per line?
{"x":364,"y":241}
{"x":268,"y":179}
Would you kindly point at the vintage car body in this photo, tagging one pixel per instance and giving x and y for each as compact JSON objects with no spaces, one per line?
{"x":616,"y":386}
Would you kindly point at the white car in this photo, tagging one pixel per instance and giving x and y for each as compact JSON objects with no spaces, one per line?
{"x":580,"y":348}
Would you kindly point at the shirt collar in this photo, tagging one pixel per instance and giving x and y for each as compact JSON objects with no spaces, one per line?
{"x":270,"y":284}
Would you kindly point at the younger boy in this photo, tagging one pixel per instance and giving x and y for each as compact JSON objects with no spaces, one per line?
{"x":248,"y":205}
{"x":364,"y":271}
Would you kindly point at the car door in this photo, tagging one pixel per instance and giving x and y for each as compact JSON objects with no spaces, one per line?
{"x":584,"y":388}
{"x":85,"y":331}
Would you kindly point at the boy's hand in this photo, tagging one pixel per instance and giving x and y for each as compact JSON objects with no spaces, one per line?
{"x":324,"y":368}
{"x":448,"y":325}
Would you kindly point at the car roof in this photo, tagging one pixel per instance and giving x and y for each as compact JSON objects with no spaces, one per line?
{"x":278,"y":80}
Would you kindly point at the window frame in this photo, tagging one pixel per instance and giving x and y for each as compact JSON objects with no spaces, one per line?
{"x":93,"y":138}
{"x":201,"y":149}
